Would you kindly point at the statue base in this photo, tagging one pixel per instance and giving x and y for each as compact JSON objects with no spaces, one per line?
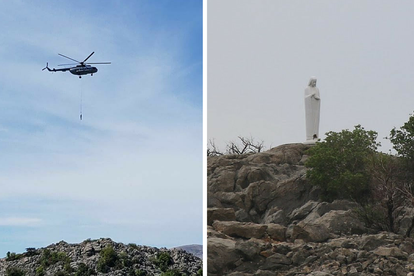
{"x":311,"y":142}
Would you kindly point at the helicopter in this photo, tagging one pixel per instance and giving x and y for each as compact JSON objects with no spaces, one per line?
{"x":83,"y":68}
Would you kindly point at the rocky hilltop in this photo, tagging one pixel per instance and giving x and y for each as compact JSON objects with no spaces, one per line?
{"x":264,"y":218}
{"x":101,"y":257}
{"x":195,"y":249}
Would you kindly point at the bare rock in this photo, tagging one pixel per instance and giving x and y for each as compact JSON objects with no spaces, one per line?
{"x":372,"y":242}
{"x":276,"y":262}
{"x":390,"y":252}
{"x":256,"y":183}
{"x":284,"y":154}
{"x":222,"y":256}
{"x":242,"y":216}
{"x":311,"y":232}
{"x":222,"y":214}
{"x":276,"y":232}
{"x":303,"y":211}
{"x":250,"y":249}
{"x":245,"y":230}
{"x":342,"y":222}
{"x":275,"y":215}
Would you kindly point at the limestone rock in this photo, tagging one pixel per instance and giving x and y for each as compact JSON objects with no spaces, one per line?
{"x":222,"y":214}
{"x":250,"y":249}
{"x":311,"y":232}
{"x":245,"y":230}
{"x":276,"y":232}
{"x":303,"y":211}
{"x":390,"y":252}
{"x":275,"y":262}
{"x":275,"y":215}
{"x":341,"y":222}
{"x":222,"y":256}
{"x":256,"y":183}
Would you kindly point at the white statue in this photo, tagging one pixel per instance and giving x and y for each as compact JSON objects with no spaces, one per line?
{"x":312,"y":110}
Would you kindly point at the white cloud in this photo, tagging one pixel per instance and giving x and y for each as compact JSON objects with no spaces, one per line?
{"x":20,"y":221}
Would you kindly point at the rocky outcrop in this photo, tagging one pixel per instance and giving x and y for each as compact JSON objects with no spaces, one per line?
{"x":264,"y":218}
{"x":262,"y":187}
{"x":86,"y":258}
{"x":195,"y":249}
{"x":367,"y":254}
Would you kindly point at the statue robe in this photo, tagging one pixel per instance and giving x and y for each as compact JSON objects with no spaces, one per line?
{"x":312,"y":111}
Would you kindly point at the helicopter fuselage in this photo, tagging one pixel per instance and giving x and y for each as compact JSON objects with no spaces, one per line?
{"x":83,"y":70}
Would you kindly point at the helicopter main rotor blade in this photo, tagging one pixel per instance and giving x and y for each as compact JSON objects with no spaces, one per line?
{"x":88,"y":57}
{"x":69,"y":58}
{"x":98,"y":63}
{"x":69,"y":64}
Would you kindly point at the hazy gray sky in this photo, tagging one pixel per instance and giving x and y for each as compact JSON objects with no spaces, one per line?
{"x":131,"y":170}
{"x":261,"y":55}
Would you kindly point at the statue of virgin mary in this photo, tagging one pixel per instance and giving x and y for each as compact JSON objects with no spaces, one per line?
{"x":312,"y":111}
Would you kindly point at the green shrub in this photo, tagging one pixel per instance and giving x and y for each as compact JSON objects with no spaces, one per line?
{"x":163,"y":261}
{"x":133,"y":245}
{"x":84,"y":270}
{"x":108,"y":258}
{"x":14,"y":271}
{"x":136,"y":272}
{"x":13,"y":256}
{"x":49,"y":258}
{"x":403,"y":139}
{"x":62,"y":273}
{"x":40,"y":271}
{"x":139,"y":272}
{"x":31,"y":251}
{"x":172,"y":272}
{"x":124,"y":261}
{"x":339,"y":164}
{"x":67,"y":268}
{"x":200,"y":272}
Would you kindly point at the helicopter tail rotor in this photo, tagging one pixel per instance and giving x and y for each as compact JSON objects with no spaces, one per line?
{"x":47,"y":67}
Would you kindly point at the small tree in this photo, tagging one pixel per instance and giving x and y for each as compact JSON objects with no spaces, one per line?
{"x":403,"y":142}
{"x":247,"y":145}
{"x":212,"y":149}
{"x":339,"y":163}
{"x":84,"y":270}
{"x":403,"y":139}
{"x":14,"y":271}
{"x":31,"y":251}
{"x":163,"y":261}
{"x":108,"y":258}
{"x":244,"y":146}
{"x":385,"y":208}
{"x":172,"y":272}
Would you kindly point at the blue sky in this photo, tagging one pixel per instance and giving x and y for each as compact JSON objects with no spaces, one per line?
{"x":131,"y":170}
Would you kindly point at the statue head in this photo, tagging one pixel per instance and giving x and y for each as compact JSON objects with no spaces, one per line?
{"x":312,"y":82}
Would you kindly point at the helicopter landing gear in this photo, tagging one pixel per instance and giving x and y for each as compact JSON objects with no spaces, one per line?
{"x":91,"y":74}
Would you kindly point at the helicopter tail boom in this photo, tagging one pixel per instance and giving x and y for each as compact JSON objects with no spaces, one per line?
{"x":54,"y":70}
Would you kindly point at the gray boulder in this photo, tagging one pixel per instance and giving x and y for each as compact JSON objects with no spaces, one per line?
{"x":245,"y":230}
{"x":221,"y":256}
{"x":222,"y":214}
